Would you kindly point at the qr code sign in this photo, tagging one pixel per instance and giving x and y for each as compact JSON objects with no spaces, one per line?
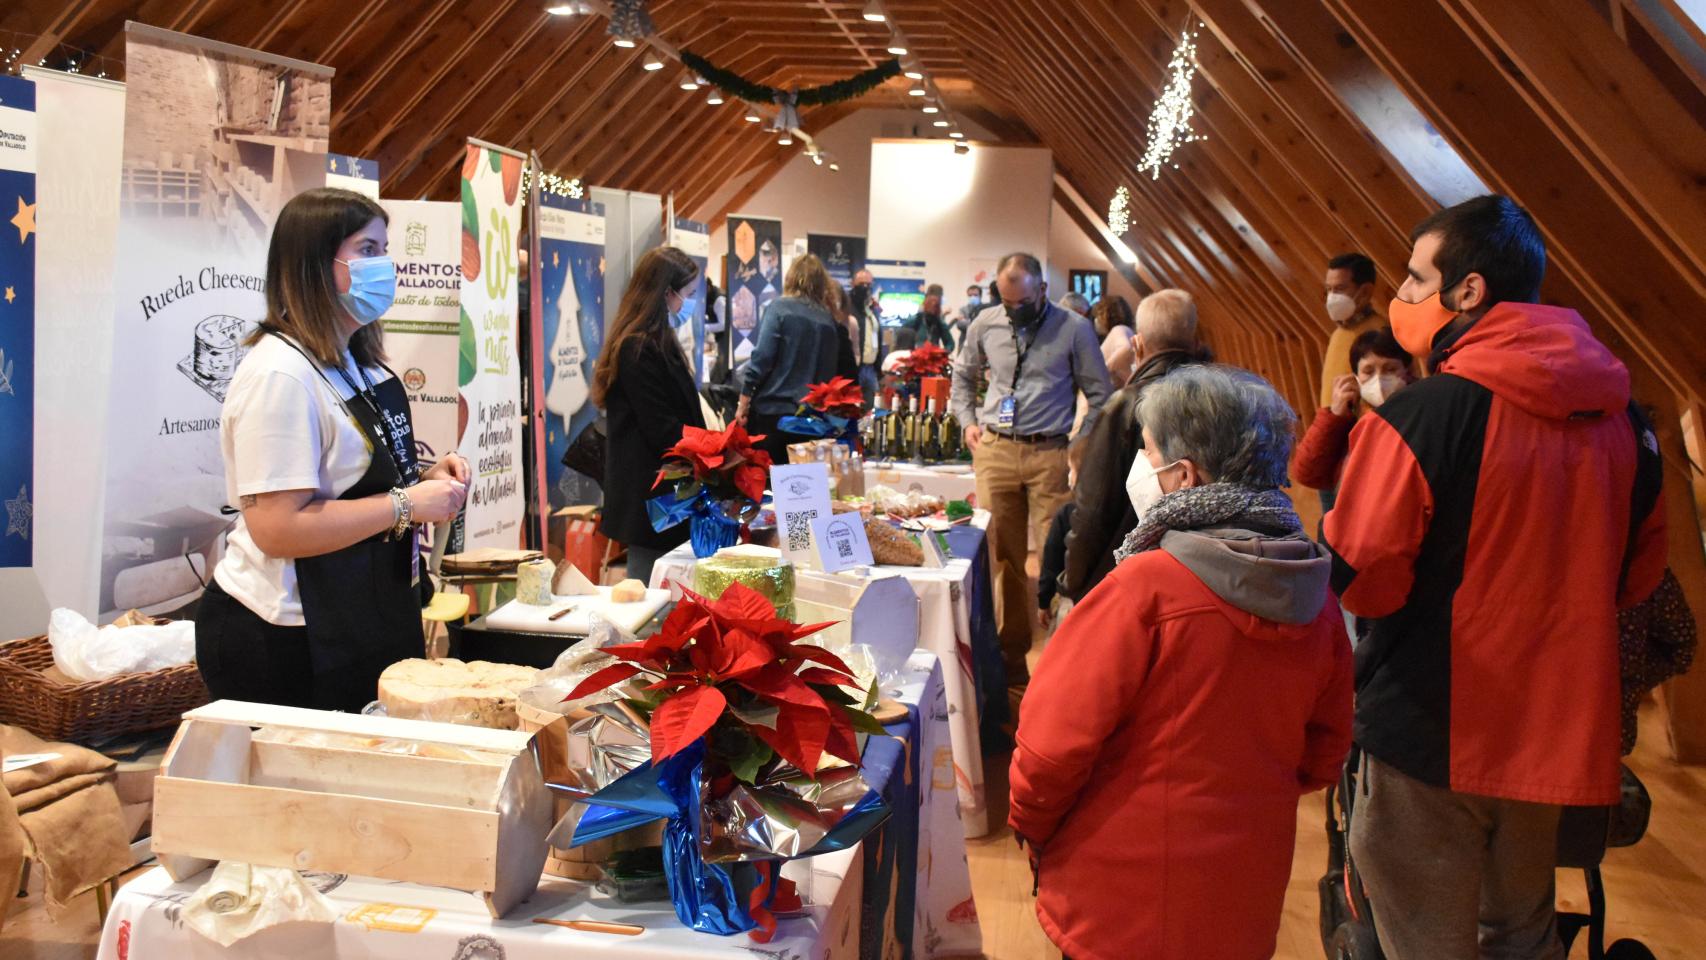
{"x":798,"y":523}
{"x":844,"y":548}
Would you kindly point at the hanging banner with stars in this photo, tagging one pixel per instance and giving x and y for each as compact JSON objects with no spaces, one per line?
{"x":570,"y":325}
{"x":17,"y":316}
{"x":353,"y":173}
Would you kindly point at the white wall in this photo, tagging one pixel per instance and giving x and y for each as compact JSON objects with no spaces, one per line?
{"x":959,"y":212}
{"x":813,"y":199}
{"x":1070,"y":249}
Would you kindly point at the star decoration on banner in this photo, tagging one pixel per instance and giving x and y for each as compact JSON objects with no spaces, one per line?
{"x":11,"y":294}
{"x":25,"y":221}
{"x":18,"y":514}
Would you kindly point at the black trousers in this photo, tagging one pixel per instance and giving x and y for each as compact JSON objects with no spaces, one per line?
{"x":243,"y":657}
{"x":775,"y":440}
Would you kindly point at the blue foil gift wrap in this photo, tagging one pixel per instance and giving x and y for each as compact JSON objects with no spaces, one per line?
{"x":823,"y":426}
{"x":709,"y":526}
{"x":720,"y":853}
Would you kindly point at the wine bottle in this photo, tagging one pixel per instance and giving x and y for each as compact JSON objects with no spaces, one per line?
{"x":871,"y":433}
{"x":950,"y":438}
{"x":894,"y":440}
{"x":930,"y":429}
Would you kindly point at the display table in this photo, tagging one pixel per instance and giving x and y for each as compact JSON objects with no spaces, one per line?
{"x":908,"y":883}
{"x":954,"y":482}
{"x":957,"y":624}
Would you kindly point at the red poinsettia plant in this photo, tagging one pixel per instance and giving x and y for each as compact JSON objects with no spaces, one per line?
{"x":723,"y":462}
{"x":837,"y":396}
{"x":732,"y":671}
{"x":925,"y":360}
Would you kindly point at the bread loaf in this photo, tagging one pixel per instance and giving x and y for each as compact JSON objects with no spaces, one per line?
{"x":476,"y":694}
{"x":890,"y":546}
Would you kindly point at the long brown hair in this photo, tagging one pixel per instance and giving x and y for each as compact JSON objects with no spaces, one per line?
{"x":1113,"y":311}
{"x":302,"y":292}
{"x":643,"y":314}
{"x":808,"y":279}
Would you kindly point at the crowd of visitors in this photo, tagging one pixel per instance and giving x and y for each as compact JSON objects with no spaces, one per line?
{"x":1491,"y":545}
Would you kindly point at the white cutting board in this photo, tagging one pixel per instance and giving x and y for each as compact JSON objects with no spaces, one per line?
{"x":526,"y":618}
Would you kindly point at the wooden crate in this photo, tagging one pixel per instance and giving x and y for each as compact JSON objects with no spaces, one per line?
{"x":475,"y":823}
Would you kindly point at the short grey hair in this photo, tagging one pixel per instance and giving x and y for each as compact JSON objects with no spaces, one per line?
{"x":1167,"y":319}
{"x":1229,"y":422}
{"x":1076,"y":302}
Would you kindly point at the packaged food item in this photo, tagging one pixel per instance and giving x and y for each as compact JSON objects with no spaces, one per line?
{"x":891,"y":546}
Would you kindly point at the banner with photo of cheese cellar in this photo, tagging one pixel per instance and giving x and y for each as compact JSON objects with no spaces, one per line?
{"x":18,"y":151}
{"x":571,"y":333}
{"x":353,"y":173}
{"x":423,"y":326}
{"x":216,"y":140}
{"x":694,"y":239}
{"x":488,"y":372}
{"x":754,"y":278}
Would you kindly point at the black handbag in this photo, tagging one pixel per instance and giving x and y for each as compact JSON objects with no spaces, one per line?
{"x":586,"y":454}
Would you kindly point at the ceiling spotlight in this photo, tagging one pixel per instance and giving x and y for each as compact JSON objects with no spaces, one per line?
{"x":653,"y":64}
{"x":716,"y":97}
{"x":752,"y":116}
{"x":932,"y":108}
{"x":689,"y":82}
{"x":956,"y":135}
{"x":786,"y":139}
{"x":626,"y":43}
{"x":917,"y":90}
{"x":563,"y":9}
{"x":940,"y":123}
{"x":962,"y":148}
{"x":817,"y":159}
{"x":912,"y":72}
{"x":835,"y":166}
{"x":897,"y":45}
{"x":874,"y":12}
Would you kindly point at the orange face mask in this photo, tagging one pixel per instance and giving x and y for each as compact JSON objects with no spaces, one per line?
{"x":1415,"y":325}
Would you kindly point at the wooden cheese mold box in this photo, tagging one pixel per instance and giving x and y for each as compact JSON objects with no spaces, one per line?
{"x":476,"y":823}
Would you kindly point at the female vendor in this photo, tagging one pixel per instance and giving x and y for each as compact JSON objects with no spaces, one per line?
{"x":320,"y":586}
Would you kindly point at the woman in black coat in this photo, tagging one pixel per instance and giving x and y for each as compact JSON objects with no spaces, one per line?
{"x":645,"y":387}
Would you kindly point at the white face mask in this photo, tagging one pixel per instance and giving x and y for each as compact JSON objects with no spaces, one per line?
{"x":1380,"y":389}
{"x":1340,"y":307}
{"x":1143,"y":484}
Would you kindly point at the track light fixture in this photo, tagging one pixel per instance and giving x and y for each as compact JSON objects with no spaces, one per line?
{"x":653,"y":63}
{"x":917,"y":90}
{"x":716,"y":97}
{"x":874,"y":12}
{"x":689,"y":82}
{"x":785,"y":139}
{"x":932,"y":108}
{"x":962,"y":148}
{"x":897,"y":45}
{"x":752,"y":116}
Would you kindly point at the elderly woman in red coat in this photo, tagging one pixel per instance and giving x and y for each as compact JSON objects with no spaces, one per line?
{"x":1190,"y":699}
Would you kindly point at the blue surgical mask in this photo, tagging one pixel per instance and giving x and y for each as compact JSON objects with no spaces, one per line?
{"x":689,"y":309}
{"x":372,"y":287}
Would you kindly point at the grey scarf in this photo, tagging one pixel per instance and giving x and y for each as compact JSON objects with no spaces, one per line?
{"x":1212,"y":505}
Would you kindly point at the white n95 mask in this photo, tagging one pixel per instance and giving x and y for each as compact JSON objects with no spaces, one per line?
{"x":1143,"y":484}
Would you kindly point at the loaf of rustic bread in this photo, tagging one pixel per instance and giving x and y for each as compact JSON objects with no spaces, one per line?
{"x":476,"y":694}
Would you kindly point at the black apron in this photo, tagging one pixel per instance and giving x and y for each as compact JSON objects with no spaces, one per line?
{"x":362,"y":604}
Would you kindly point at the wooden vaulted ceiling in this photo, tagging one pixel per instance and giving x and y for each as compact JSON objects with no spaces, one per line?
{"x":1588,"y":111}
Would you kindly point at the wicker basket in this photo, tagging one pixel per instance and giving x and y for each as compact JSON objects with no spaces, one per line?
{"x":57,"y":710}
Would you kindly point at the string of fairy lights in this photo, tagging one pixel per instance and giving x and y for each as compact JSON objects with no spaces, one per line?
{"x":1169,"y":125}
{"x":16,"y":53}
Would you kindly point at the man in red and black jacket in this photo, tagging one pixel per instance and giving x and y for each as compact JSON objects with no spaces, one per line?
{"x":1492,"y":519}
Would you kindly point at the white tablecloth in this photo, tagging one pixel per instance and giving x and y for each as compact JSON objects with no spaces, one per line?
{"x":385,"y":920}
{"x":950,"y":484}
{"x":944,"y":627}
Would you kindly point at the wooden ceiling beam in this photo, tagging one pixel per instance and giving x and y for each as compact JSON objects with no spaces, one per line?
{"x":1624,"y":282}
{"x":1611,"y":112}
{"x":822,"y":117}
{"x":407,"y":84}
{"x":356,"y":84}
{"x":50,"y":22}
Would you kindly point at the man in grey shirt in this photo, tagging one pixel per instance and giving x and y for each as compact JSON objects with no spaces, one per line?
{"x":1036,"y":359}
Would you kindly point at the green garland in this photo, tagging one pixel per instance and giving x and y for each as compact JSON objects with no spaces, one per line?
{"x":736,"y":85}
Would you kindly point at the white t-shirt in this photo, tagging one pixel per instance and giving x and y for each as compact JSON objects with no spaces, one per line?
{"x":282,"y":428}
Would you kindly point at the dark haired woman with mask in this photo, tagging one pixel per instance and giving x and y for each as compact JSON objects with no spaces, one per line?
{"x":645,"y":387}
{"x":320,"y":587}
